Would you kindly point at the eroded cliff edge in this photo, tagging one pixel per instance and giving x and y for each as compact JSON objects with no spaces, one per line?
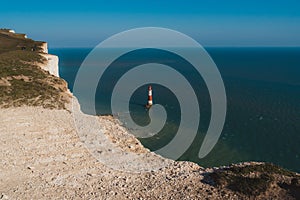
{"x":42,"y":155}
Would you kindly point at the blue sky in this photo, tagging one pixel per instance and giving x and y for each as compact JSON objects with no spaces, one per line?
{"x":212,"y":23}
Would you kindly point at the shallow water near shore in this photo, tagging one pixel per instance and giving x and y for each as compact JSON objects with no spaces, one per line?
{"x":263,"y":105}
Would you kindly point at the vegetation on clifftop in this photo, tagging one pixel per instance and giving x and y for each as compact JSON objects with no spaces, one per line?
{"x":22,"y":81}
{"x":256,"y":179}
{"x":14,"y":41}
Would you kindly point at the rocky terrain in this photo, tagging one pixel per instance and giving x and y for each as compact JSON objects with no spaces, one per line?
{"x":43,"y":155}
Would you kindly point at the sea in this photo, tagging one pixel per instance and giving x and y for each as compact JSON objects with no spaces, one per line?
{"x":263,"y":103}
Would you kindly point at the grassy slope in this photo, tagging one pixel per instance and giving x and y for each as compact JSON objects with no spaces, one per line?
{"x":22,"y":82}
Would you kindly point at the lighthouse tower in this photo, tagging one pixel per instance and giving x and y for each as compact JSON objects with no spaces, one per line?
{"x":150,"y":102}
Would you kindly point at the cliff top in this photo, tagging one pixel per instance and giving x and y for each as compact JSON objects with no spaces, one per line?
{"x":10,"y":41}
{"x":22,"y":80}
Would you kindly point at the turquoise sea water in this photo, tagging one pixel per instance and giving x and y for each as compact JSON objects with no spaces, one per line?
{"x":263,"y":96}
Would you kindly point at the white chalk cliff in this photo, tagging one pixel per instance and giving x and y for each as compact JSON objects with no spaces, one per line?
{"x":51,"y":65}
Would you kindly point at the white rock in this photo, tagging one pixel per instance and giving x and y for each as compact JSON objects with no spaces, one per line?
{"x":51,"y":65}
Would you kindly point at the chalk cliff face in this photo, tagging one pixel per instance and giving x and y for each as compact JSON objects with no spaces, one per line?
{"x":51,"y":65}
{"x":44,"y":47}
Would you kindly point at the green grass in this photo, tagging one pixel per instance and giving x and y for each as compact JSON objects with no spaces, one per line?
{"x":38,"y":88}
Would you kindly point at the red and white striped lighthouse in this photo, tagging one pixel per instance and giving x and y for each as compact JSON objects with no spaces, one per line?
{"x":150,"y":102}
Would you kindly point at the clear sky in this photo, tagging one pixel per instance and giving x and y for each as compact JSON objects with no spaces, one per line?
{"x":212,"y":23}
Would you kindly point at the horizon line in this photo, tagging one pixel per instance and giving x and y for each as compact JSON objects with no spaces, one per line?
{"x":204,"y":46}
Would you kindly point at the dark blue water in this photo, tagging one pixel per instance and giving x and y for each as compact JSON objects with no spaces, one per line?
{"x":263,"y":113}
